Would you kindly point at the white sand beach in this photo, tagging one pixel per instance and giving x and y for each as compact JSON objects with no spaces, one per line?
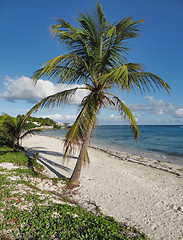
{"x":141,"y":192}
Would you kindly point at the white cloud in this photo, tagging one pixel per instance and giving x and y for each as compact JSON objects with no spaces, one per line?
{"x":158,"y":107}
{"x":151,"y":98}
{"x":178,"y":113}
{"x":61,"y":118}
{"x":23,"y":88}
{"x":113,"y":117}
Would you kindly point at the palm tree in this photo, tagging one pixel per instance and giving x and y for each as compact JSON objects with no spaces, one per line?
{"x":96,"y":59}
{"x":16,"y":129}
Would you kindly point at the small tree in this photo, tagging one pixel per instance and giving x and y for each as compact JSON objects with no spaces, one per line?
{"x":16,"y":129}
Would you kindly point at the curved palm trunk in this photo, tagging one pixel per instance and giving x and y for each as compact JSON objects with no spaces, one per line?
{"x":77,"y":170}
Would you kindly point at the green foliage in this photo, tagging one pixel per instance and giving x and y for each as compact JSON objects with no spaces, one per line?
{"x":31,"y":125}
{"x":43,"y":219}
{"x":15,"y":129}
{"x":26,"y":171}
{"x":7,"y":154}
{"x":34,"y":164}
{"x":42,"y":121}
{"x":16,"y":157}
{"x":63,"y":222}
{"x":4,"y":146}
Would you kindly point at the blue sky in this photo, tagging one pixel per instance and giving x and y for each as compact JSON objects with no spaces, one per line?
{"x":26,"y":44}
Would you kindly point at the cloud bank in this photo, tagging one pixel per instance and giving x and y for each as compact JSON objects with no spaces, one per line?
{"x":158,"y":107}
{"x":23,"y":88}
{"x":61,"y":118}
{"x":151,"y":111}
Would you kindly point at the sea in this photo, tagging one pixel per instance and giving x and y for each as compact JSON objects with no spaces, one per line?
{"x":160,"y":142}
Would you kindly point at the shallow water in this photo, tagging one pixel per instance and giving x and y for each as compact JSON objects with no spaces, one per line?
{"x":163,"y":142}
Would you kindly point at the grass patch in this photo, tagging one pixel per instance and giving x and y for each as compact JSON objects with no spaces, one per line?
{"x":27,"y":212}
{"x":29,"y":172}
{"x":7,"y":154}
{"x":16,"y":157}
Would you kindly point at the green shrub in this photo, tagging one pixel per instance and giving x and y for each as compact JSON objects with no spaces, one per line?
{"x":62,"y":221}
{"x":16,"y":157}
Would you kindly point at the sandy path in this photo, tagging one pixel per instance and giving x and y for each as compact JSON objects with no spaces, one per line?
{"x":148,"y":198}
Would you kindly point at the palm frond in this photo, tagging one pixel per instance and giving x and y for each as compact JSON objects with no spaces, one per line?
{"x":115,"y":47}
{"x":125,"y":112}
{"x":90,"y":107}
{"x":9,"y":124}
{"x":127,"y":28}
{"x":144,"y":81}
{"x":53,"y":100}
{"x":117,"y":75}
{"x":67,"y":68}
{"x":76,"y":133}
{"x":131,"y":76}
{"x":30,"y":132}
{"x":61,"y":24}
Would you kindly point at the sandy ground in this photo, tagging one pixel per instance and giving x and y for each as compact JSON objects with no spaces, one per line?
{"x":136,"y":191}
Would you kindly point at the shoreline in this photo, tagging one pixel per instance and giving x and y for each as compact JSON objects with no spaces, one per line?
{"x":149,"y":162}
{"x":170,"y":167}
{"x":154,"y":155}
{"x":135,"y":194}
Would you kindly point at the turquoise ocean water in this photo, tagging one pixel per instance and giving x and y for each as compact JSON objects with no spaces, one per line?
{"x":163,"y":142}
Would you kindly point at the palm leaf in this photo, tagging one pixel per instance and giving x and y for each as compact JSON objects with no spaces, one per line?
{"x":75,"y":136}
{"x":144,"y":81}
{"x":52,"y":100}
{"x":131,"y":76}
{"x":125,"y":112}
{"x":30,"y":132}
{"x":76,"y":133}
{"x":68,"y":68}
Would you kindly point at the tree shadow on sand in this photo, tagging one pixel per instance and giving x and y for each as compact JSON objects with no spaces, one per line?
{"x":38,"y":150}
{"x":49,"y":163}
{"x":52,"y":169}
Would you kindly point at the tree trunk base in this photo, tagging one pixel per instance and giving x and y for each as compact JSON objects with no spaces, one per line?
{"x":70,"y":185}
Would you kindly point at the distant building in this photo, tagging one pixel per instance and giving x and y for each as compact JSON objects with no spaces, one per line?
{"x":60,"y":124}
{"x":36,"y":123}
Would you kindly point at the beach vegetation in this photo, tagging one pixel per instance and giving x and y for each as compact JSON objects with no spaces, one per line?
{"x":40,"y":121}
{"x":53,"y":221}
{"x":63,"y":222}
{"x":97,"y":60}
{"x":29,"y":212}
{"x":8,"y":154}
{"x":15,"y":129}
